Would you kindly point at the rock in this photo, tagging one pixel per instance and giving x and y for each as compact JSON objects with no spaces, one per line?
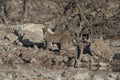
{"x":86,"y":58}
{"x":115,"y":65}
{"x":115,"y":43}
{"x":72,"y":62}
{"x":103,"y":64}
{"x":105,"y":76}
{"x":18,"y":61}
{"x":116,"y":56}
{"x":59,"y":58}
{"x":33,"y":60}
{"x":101,"y":49}
{"x":1,"y":36}
{"x":18,"y":43}
{"x":66,"y":74}
{"x":103,"y":68}
{"x":12,"y":37}
{"x":118,"y":77}
{"x":6,"y":79}
{"x":51,"y":23}
{"x":76,"y":74}
{"x":6,"y":48}
{"x":31,"y":34}
{"x":99,"y":66}
{"x":112,"y":76}
{"x":81,"y":76}
{"x":1,"y":62}
{"x":98,"y":77}
{"x":56,"y":78}
{"x":27,"y":42}
{"x":9,"y":75}
{"x":94,"y":68}
{"x":14,"y":10}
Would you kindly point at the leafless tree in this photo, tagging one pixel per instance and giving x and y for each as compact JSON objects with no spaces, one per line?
{"x":76,"y":23}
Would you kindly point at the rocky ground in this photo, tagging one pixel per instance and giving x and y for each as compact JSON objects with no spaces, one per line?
{"x":22,"y":48}
{"x":23,"y":57}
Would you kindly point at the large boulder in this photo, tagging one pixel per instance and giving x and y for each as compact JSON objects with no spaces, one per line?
{"x":31,"y":34}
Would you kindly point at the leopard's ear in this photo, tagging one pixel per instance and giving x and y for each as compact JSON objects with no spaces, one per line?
{"x":46,"y":27}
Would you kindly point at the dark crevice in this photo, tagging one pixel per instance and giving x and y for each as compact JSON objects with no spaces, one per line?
{"x":78,"y":51}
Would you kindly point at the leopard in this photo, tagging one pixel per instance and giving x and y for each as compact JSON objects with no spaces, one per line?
{"x":51,"y":38}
